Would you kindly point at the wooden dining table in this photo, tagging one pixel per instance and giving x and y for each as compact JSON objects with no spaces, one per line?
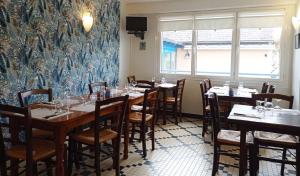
{"x":61,"y":125}
{"x":247,"y":118}
{"x":235,"y":95}
{"x":164,"y":89}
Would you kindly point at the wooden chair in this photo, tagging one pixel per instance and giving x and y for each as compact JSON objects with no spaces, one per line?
{"x":32,"y":151}
{"x":92,"y":86}
{"x":23,"y":100}
{"x":146,"y":118}
{"x":207,"y":84}
{"x":268,"y":139}
{"x":145,"y":84}
{"x":130,"y":78}
{"x":225,"y":137}
{"x":265,"y":87}
{"x":98,"y":135}
{"x":175,"y":102}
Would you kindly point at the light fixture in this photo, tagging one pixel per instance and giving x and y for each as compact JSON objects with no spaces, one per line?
{"x":296,"y":23}
{"x":87,"y":21}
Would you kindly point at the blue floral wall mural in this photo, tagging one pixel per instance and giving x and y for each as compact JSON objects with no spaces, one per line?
{"x":43,"y":44}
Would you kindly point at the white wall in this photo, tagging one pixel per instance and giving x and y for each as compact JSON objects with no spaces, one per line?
{"x":143,"y":63}
{"x":124,"y":46}
{"x":296,"y":71}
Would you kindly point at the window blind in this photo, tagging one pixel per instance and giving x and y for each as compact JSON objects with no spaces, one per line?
{"x":214,"y":21}
{"x":176,"y":23}
{"x":266,"y":19}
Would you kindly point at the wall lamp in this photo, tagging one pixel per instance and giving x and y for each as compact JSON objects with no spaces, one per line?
{"x":87,"y":21}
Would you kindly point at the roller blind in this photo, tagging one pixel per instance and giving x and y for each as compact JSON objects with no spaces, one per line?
{"x":266,"y":19}
{"x":176,"y":23}
{"x":214,"y":21}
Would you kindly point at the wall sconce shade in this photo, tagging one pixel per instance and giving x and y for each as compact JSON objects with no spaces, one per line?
{"x":87,"y":21}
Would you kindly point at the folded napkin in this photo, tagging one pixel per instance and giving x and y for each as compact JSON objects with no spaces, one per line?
{"x":246,"y":115}
{"x":90,"y":107}
{"x":167,"y":85}
{"x":133,"y":94}
{"x":45,"y":113}
{"x":140,"y":89}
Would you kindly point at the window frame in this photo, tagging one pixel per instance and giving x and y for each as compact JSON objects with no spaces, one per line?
{"x":285,"y":47}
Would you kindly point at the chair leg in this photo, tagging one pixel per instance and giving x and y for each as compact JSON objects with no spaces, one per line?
{"x":216,"y":160}
{"x":70,"y":157}
{"x":35,"y":169}
{"x":283,"y":159}
{"x":204,"y":128}
{"x":76,"y":155}
{"x":15,"y":166}
{"x":153,"y":135}
{"x":132,"y":132}
{"x":255,"y":159}
{"x":48,"y":167}
{"x":175,"y":114}
{"x":3,"y":170}
{"x":252,"y":158}
{"x":143,"y":136}
{"x":97,"y":159}
{"x":116,"y":157}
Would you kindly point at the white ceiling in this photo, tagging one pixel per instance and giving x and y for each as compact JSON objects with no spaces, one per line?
{"x":140,"y":1}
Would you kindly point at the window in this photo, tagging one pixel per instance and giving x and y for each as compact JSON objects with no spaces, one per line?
{"x":214,"y":43}
{"x":260,"y":35}
{"x":176,"y":57}
{"x":241,"y":44}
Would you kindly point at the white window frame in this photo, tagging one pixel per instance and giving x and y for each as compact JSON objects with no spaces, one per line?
{"x":286,"y":47}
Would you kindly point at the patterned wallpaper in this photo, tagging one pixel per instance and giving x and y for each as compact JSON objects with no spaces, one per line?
{"x":43,"y":44}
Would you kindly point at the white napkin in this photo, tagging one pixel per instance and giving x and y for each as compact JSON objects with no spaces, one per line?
{"x":140,"y":89}
{"x":133,"y":94}
{"x":167,"y":85}
{"x":45,"y":113}
{"x":90,"y":107}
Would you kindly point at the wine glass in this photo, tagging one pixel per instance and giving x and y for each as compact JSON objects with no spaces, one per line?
{"x":259,"y":106}
{"x":133,"y":83}
{"x":277,"y":104}
{"x":153,"y":79}
{"x":163,"y":80}
{"x":226,"y":84}
{"x":241,"y":85}
{"x":93,"y":98}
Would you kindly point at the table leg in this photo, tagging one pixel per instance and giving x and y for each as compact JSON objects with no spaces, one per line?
{"x":243,"y":153}
{"x":164,"y":106}
{"x":60,"y":136}
{"x":298,"y":160}
{"x":126,"y":133}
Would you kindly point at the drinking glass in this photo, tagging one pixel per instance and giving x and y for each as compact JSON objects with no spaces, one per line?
{"x":241,"y":85}
{"x":134,"y":83}
{"x":163,"y":80}
{"x":259,"y":106}
{"x":126,"y":88}
{"x":153,"y":79}
{"x":276,"y":106}
{"x":226,"y":84}
{"x":93,"y":98}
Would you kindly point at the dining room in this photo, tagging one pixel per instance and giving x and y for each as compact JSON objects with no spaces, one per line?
{"x":149,"y":87}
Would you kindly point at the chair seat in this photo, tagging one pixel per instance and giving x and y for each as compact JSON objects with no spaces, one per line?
{"x":41,"y":149}
{"x":137,"y":117}
{"x":233,"y":137}
{"x":171,"y":100}
{"x":222,"y":109}
{"x":87,"y":136}
{"x":36,"y":133}
{"x":138,"y":108}
{"x":275,"y":138}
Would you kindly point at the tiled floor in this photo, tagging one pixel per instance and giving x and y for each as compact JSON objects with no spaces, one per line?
{"x":181,"y":150}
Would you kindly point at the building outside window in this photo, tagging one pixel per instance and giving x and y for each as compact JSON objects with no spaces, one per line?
{"x":255,"y":54}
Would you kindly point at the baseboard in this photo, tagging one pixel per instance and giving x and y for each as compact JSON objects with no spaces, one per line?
{"x":195,"y":116}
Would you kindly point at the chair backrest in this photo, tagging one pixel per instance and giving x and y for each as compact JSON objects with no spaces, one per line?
{"x":150,"y":104}
{"x":265,"y":87}
{"x":267,"y":96}
{"x":14,"y":112}
{"x":179,"y":91}
{"x":204,"y":97}
{"x":271,"y":89}
{"x":26,"y":94}
{"x":207,"y":84}
{"x":130,"y":78}
{"x":119,"y":107}
{"x":97,"y":84}
{"x":145,"y":84}
{"x":215,"y":113}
